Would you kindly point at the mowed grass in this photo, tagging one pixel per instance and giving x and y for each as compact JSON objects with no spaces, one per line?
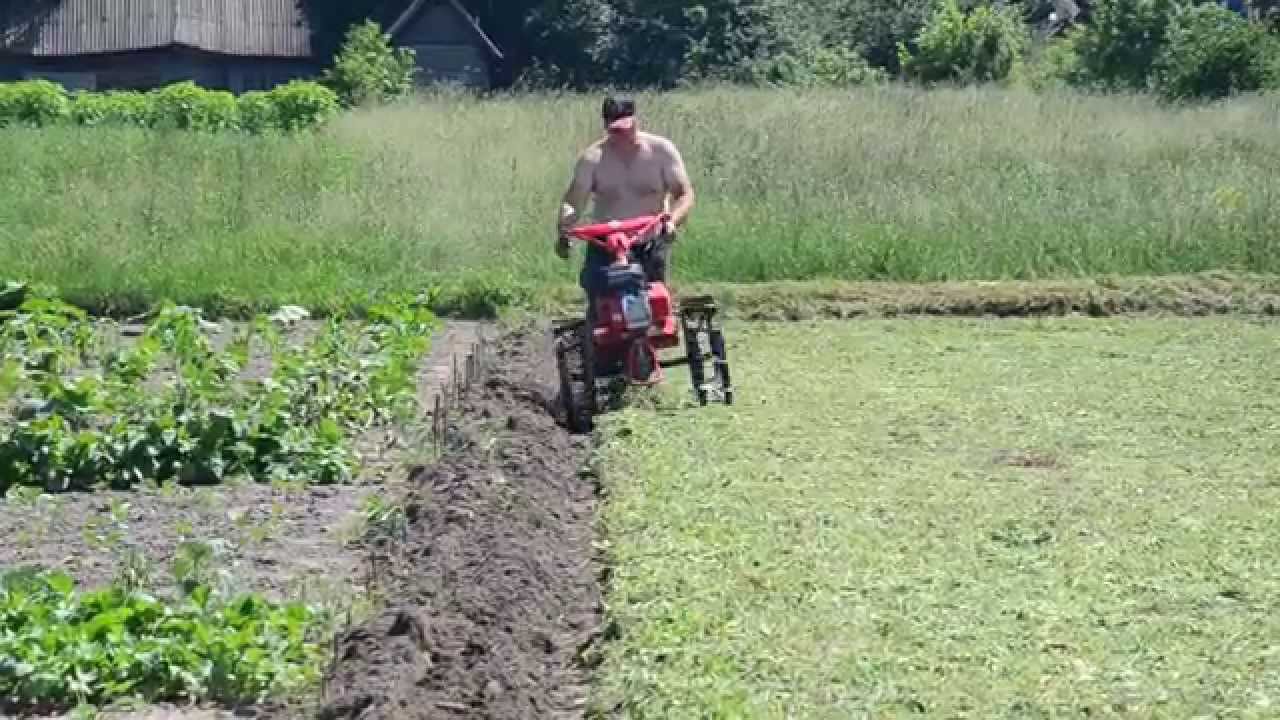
{"x":877,"y":183}
{"x":954,"y":518}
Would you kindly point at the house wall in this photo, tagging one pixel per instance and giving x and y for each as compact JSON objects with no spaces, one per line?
{"x":144,"y":70}
{"x":447,"y":49}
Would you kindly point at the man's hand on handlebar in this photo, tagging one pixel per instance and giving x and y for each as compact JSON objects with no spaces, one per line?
{"x":667,"y":227}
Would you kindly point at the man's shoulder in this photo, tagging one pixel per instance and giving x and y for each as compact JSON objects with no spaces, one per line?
{"x":593,"y":152}
{"x":660,"y":143}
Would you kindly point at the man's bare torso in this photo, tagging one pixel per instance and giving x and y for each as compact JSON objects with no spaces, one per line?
{"x":631,"y":181}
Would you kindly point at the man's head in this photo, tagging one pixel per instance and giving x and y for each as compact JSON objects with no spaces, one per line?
{"x":619,"y":115}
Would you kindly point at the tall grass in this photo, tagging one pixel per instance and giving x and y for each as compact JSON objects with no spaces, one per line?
{"x":879,"y":183}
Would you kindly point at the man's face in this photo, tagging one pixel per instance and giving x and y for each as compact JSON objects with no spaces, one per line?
{"x":619,"y":115}
{"x":621,"y":129}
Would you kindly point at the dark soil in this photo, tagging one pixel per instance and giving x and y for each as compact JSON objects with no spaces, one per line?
{"x":286,"y":543}
{"x":493,"y":595}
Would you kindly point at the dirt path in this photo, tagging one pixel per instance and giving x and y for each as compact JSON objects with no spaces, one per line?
{"x":494,"y":593}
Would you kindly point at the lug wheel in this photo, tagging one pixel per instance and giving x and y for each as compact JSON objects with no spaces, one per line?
{"x":577,"y":382}
{"x":704,"y":342}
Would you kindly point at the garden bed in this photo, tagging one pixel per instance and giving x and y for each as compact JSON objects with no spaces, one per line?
{"x":155,"y":458}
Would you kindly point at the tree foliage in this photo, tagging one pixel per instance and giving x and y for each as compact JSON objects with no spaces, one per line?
{"x":368,"y":69}
{"x":984,"y":45}
{"x":1119,"y":47}
{"x":664,"y":43}
{"x":1213,"y":52}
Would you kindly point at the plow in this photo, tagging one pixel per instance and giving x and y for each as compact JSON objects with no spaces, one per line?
{"x":629,"y":320}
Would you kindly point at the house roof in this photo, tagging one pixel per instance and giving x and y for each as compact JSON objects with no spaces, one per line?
{"x":411,"y":13}
{"x":255,"y":28}
{"x":81,"y":27}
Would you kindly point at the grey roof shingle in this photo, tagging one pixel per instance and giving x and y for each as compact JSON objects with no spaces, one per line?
{"x":269,"y":28}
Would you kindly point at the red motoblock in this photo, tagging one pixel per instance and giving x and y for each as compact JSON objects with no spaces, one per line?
{"x":630,"y":319}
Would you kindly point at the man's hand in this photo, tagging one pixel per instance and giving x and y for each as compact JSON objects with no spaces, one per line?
{"x":667,"y":228}
{"x":562,"y":246}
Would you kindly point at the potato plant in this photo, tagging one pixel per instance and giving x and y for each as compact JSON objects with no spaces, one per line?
{"x":172,"y":407}
{"x":62,"y":648}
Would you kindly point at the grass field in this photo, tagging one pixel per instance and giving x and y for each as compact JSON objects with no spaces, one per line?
{"x":954,"y":518}
{"x":1015,"y":518}
{"x":888,"y":183}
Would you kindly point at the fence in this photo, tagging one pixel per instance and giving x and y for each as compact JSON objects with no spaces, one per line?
{"x":458,"y":386}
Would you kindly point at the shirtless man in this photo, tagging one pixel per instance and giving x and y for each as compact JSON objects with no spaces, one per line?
{"x":630,"y":173}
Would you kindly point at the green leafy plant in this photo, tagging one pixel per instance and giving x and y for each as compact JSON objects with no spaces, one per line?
{"x":258,"y":112}
{"x":62,"y":649}
{"x":383,"y":517}
{"x":111,"y":108}
{"x":302,"y":105}
{"x":33,"y":102}
{"x":186,"y":106}
{"x":1119,"y":47}
{"x":980,"y":46}
{"x":204,"y":424}
{"x":368,"y":69}
{"x":1212,"y":52}
{"x":294,"y":106}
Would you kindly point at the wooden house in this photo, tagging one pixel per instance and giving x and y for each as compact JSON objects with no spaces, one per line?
{"x":235,"y":45}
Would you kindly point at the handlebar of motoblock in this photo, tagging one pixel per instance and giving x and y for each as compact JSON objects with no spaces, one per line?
{"x":631,"y":228}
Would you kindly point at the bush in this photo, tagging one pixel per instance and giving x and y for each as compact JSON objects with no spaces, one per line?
{"x":1056,"y":65}
{"x":368,"y":69}
{"x":984,"y":45}
{"x":301,"y":104}
{"x":186,"y":106}
{"x":64,"y":646}
{"x":33,"y":102}
{"x":297,"y":105}
{"x":1119,"y":47}
{"x":1212,"y":52}
{"x":258,"y":112}
{"x":824,"y":66}
{"x":110,"y":108}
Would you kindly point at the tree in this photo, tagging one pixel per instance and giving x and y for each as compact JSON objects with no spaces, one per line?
{"x":1119,"y":46}
{"x":368,"y":69}
{"x":984,"y":45}
{"x":1213,"y":52}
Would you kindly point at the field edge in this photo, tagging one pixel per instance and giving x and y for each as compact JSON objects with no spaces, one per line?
{"x":478,"y":298}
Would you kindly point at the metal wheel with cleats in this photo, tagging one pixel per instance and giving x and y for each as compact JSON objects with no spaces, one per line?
{"x":704,"y":344}
{"x":576,"y":368}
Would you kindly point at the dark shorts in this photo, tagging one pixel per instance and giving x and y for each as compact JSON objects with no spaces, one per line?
{"x":654,"y":257}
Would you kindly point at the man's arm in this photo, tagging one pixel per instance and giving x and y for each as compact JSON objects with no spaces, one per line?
{"x":678,"y":184}
{"x":575,"y":197}
{"x":579,"y":191}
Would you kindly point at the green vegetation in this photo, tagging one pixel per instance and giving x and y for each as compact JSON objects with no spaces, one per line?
{"x":293,"y":106}
{"x":172,"y":406}
{"x":594,"y":43}
{"x":1013,"y":518}
{"x":61,"y":648}
{"x":455,"y":194}
{"x":982,"y":46}
{"x":368,"y":70}
{"x":1181,"y":50}
{"x":1213,"y":52}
